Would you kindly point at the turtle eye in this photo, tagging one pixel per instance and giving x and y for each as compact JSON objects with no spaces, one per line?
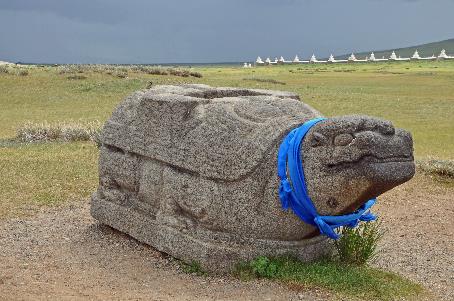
{"x":343,"y":139}
{"x":318,"y":140}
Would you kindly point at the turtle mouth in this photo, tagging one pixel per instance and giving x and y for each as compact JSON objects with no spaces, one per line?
{"x":389,"y":159}
{"x":373,"y":159}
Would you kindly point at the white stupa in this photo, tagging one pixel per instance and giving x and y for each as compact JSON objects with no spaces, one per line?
{"x":296,"y":60}
{"x":245,"y":65}
{"x":259,"y":61}
{"x":275,"y":61}
{"x":372,"y":57}
{"x":331,"y":59}
{"x":352,"y":58}
{"x":393,"y":56}
{"x":250,"y":65}
{"x":281,"y":60}
{"x":415,"y":55}
{"x":444,"y":56}
{"x":313,"y":59}
{"x":268,"y":61}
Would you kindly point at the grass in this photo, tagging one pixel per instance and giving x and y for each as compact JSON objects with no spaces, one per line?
{"x":351,"y":281}
{"x":45,"y":174}
{"x":192,"y":268}
{"x":359,"y":245}
{"x":265,"y":80}
{"x":418,"y":96}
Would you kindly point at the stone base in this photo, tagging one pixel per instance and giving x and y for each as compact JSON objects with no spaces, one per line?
{"x":215,"y":252}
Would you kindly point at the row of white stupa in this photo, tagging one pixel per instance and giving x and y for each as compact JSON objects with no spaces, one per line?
{"x":352,"y":58}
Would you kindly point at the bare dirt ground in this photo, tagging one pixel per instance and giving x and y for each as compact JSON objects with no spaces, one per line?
{"x":63,"y":254}
{"x":419,"y":241}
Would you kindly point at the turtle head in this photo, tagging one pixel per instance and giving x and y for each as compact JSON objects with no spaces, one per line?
{"x":349,"y":160}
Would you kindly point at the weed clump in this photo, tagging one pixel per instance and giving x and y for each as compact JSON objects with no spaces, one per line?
{"x":122,"y":71}
{"x":22,"y":72}
{"x":443,"y":168}
{"x":38,"y":132}
{"x":121,"y":74}
{"x":13,"y":70}
{"x":359,"y":245}
{"x":192,"y":268}
{"x":169,"y":71}
{"x":4,"y":69}
{"x":76,"y":77}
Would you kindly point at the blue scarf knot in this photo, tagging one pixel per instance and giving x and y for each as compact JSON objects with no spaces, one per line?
{"x":298,"y":198}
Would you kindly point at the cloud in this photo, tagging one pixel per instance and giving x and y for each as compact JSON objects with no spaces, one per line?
{"x":140,"y":31}
{"x":92,"y":11}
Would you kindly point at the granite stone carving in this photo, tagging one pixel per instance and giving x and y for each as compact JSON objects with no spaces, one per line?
{"x":191,"y":170}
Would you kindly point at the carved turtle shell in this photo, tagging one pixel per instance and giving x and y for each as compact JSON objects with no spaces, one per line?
{"x":217,"y":133}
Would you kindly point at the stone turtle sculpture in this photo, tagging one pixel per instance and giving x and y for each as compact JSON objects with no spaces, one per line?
{"x":191,"y":170}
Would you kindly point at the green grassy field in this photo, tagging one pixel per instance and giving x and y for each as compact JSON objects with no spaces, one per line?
{"x":416,"y":96}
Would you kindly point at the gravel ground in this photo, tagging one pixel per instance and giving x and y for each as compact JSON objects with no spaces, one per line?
{"x":419,"y":242}
{"x":63,"y":254}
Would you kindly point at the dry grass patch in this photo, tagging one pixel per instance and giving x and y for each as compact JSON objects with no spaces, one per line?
{"x":443,"y":168}
{"x":64,"y":131}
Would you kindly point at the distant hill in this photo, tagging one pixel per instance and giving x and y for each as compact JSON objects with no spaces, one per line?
{"x":424,"y":50}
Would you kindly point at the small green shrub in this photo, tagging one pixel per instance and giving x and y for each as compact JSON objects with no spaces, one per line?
{"x":263,"y":267}
{"x":192,"y":268}
{"x":359,"y":245}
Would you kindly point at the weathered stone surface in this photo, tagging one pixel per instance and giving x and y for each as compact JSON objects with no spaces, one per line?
{"x":191,"y":170}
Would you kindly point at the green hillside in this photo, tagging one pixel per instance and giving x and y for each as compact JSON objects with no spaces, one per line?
{"x":424,"y":50}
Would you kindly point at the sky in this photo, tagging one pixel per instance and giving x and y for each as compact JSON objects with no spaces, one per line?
{"x":198,"y":31}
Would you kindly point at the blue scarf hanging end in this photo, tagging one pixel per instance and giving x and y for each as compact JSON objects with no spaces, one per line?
{"x":297,"y":197}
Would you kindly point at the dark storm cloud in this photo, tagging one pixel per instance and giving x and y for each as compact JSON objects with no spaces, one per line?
{"x":96,"y":11}
{"x":113,"y":31}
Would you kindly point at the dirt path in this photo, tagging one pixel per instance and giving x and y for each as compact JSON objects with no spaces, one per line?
{"x":62,"y":254}
{"x":65,"y":255}
{"x":419,"y":243}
